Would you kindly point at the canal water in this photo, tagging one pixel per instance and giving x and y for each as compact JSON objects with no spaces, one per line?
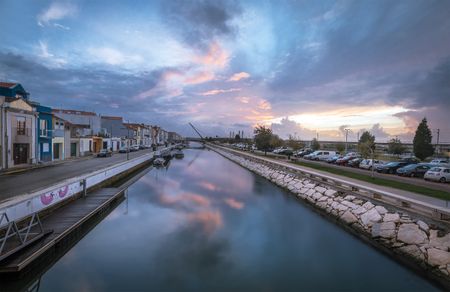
{"x":204,"y":224}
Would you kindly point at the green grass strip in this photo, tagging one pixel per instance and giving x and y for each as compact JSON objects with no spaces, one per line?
{"x":379,"y":181}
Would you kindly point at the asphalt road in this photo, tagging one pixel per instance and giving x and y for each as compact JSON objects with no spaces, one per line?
{"x":409,"y":180}
{"x":17,"y":184}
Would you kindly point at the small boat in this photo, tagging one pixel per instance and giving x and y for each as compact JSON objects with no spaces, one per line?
{"x":178,"y":154}
{"x":158,"y":161}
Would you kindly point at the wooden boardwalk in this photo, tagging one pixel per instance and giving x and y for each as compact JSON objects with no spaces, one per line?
{"x":63,"y":222}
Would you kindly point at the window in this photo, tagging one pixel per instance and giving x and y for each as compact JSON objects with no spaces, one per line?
{"x":21,"y":125}
{"x":43,"y":128}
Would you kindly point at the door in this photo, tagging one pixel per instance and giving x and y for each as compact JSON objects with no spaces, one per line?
{"x":73,"y":149}
{"x":20,"y":153}
{"x":56,"y":151}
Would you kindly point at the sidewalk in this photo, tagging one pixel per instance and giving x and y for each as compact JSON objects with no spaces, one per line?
{"x":21,"y":169}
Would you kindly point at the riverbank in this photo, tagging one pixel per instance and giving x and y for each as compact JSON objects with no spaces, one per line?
{"x":413,"y":240}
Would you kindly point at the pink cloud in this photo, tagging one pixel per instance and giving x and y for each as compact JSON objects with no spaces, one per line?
{"x":219,"y":91}
{"x":215,"y":57}
{"x":210,"y":220}
{"x":239,"y":76}
{"x":235,"y":204}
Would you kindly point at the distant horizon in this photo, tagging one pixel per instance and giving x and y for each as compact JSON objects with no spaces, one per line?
{"x":300,"y":68}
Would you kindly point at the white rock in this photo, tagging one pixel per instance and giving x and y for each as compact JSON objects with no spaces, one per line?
{"x":317,"y":196}
{"x":391,"y":217}
{"x":422,"y":225}
{"x":368,"y":205}
{"x":385,"y":230}
{"x":411,"y":234}
{"x":360,"y":211}
{"x":320,"y":189}
{"x":349,"y":198}
{"x":341,"y":207}
{"x":322,"y":205}
{"x":348,"y":217}
{"x":310,"y":186}
{"x":323,"y":199}
{"x":303,"y":190}
{"x":298,"y":185}
{"x":370,"y":217}
{"x":382,"y":210}
{"x":437,"y":257}
{"x":330,"y":193}
{"x":439,"y":242}
{"x":350,"y":204}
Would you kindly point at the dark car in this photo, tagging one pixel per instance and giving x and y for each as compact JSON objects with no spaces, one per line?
{"x":391,"y":167}
{"x":410,"y":160}
{"x":344,"y":160}
{"x":123,"y":149}
{"x":334,"y":158}
{"x":304,"y":152}
{"x":414,"y":170}
{"x":287,"y":152}
{"x":354,"y":162}
{"x":104,"y":153}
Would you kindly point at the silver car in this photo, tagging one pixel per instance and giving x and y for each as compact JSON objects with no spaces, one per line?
{"x":440,"y":174}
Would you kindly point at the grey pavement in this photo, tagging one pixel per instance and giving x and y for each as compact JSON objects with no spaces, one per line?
{"x":17,"y":184}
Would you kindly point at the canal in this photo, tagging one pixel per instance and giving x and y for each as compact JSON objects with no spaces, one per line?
{"x":204,"y":223}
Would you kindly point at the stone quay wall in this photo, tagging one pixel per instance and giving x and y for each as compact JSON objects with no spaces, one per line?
{"x":424,"y":247}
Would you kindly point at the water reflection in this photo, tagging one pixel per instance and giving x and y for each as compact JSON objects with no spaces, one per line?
{"x":204,"y":224}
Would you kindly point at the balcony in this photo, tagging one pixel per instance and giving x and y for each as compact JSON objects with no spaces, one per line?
{"x":21,"y":131}
{"x":43,"y":133}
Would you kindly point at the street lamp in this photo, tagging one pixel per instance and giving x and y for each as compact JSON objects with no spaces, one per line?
{"x":346,"y":136}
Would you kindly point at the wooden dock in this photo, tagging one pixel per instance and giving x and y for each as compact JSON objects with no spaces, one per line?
{"x":64,"y":222}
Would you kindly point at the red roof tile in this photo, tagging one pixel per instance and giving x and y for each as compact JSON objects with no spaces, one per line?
{"x":7,"y":84}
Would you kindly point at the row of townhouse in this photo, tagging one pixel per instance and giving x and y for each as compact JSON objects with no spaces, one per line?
{"x":31,"y":133}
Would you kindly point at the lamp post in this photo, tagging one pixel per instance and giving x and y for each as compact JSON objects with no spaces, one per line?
{"x":346,"y":136}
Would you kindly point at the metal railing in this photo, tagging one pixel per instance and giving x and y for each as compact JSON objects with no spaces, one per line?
{"x":433,"y":211}
{"x":14,"y":238}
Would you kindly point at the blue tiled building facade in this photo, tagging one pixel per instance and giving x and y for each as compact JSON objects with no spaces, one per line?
{"x":44,"y":133}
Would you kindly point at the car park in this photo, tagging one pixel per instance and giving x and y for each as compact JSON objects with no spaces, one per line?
{"x":440,"y":174}
{"x":320,"y":155}
{"x":414,"y":170}
{"x":391,"y":167}
{"x":104,"y":153}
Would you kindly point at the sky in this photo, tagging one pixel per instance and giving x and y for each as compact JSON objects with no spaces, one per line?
{"x":304,"y":68}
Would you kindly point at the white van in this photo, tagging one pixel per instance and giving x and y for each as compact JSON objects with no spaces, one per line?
{"x":322,"y":155}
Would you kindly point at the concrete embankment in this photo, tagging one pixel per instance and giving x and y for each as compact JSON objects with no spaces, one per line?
{"x":415,"y":241}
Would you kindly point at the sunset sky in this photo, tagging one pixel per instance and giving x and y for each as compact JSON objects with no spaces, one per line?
{"x":301,"y":67}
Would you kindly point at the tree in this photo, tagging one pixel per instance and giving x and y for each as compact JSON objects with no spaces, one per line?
{"x":237,"y":137}
{"x":366,"y":144}
{"x":395,"y":146}
{"x":276,"y":141}
{"x":315,"y":145}
{"x":263,"y":137}
{"x":294,"y":144}
{"x":340,"y":147}
{"x":422,"y":141}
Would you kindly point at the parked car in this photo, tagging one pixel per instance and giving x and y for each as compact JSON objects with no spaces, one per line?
{"x":410,"y":160}
{"x":334,"y":158}
{"x":368,"y":164}
{"x":441,"y":174}
{"x":414,"y":170}
{"x":142,"y":147}
{"x":303,"y":152}
{"x":349,"y":156}
{"x":287,"y":151}
{"x":320,"y":155}
{"x":123,"y":149}
{"x":439,"y":161}
{"x":391,"y":167}
{"x":134,"y":148}
{"x":355,"y":162}
{"x":104,"y":153}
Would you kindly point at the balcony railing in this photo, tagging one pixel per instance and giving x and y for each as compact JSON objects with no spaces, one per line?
{"x":21,"y":131}
{"x":43,"y":132}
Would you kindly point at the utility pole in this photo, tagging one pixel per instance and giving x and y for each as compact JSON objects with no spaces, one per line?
{"x":346,"y":137}
{"x":437,"y":141}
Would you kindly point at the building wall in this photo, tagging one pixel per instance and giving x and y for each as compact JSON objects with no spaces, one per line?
{"x":93,"y":121}
{"x":114,"y":127}
{"x":44,"y":136}
{"x":28,"y":138}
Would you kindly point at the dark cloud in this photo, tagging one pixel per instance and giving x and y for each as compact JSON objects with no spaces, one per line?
{"x":426,"y":89}
{"x":103,"y":91}
{"x":380,"y":42}
{"x":199,"y":21}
